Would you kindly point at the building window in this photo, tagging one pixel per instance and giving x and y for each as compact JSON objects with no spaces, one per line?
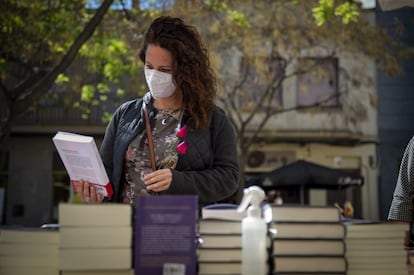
{"x":318,"y":84}
{"x":260,"y":83}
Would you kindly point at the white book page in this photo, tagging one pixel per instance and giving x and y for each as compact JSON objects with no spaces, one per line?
{"x":81,"y":158}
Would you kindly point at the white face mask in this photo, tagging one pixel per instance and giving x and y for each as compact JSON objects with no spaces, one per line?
{"x":159,"y":83}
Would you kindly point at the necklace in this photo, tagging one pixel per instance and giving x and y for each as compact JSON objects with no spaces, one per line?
{"x":166,"y":115}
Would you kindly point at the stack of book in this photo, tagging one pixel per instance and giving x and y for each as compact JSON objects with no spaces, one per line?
{"x":308,"y":240}
{"x":376,"y":248}
{"x":29,"y":251}
{"x":165,"y":235}
{"x":219,"y":251}
{"x":95,"y":239}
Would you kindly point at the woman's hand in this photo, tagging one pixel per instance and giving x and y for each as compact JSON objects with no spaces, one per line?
{"x":87,"y":192}
{"x":159,"y":180}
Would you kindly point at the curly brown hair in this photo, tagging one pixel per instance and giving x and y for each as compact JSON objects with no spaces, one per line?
{"x":192,"y":72}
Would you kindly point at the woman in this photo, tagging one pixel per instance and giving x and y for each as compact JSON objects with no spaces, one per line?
{"x":194,"y":142}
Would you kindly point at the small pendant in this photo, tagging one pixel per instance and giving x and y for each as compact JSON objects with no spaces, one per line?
{"x":164,"y":121}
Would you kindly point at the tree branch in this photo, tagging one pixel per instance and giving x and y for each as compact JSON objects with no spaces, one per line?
{"x":42,"y":86}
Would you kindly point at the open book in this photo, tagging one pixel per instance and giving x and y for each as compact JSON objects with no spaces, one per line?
{"x":82,"y":161}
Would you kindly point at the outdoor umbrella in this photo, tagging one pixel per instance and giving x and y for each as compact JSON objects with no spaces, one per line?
{"x":305,"y":174}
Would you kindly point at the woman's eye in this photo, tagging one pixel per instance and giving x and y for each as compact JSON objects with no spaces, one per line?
{"x":168,"y":71}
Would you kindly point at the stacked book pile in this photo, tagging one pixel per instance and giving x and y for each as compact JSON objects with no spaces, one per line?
{"x":165,"y":235}
{"x":95,"y":239}
{"x":219,"y":251}
{"x":307,"y":240}
{"x":29,"y":251}
{"x":376,"y":248}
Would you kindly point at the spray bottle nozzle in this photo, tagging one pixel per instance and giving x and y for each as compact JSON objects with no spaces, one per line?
{"x":253,"y":195}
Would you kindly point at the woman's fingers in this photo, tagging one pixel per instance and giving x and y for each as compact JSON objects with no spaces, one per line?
{"x":159,"y":180}
{"x":87,"y":192}
{"x":99,"y":198}
{"x":93,"y":196}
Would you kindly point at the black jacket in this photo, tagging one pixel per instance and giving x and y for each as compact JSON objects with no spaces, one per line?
{"x":209,"y":168}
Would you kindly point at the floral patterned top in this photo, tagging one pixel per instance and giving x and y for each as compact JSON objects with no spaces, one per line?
{"x":137,"y":161}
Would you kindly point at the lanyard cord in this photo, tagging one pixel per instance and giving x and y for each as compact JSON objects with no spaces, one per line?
{"x":149,"y":135}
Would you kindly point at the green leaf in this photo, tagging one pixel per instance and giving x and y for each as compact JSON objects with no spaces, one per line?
{"x":348,"y":11}
{"x":103,"y":88}
{"x":62,"y":79}
{"x":106,"y":117}
{"x":87,"y":93}
{"x":216,"y":5}
{"x":120,"y":92}
{"x":323,"y":12}
{"x":239,"y":18}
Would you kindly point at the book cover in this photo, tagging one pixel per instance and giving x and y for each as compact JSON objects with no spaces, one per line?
{"x":106,"y":214}
{"x":313,"y":273}
{"x":28,"y":235}
{"x":219,"y":254}
{"x":165,"y":235}
{"x":378,"y":272}
{"x":217,"y":226}
{"x":22,"y":270}
{"x":301,"y":213}
{"x":222,"y":211}
{"x":219,"y":268}
{"x":374,"y":243}
{"x":98,"y":272}
{"x":389,"y":253}
{"x":82,"y":161}
{"x":220,"y":241}
{"x":309,"y":264}
{"x":95,"y":236}
{"x":290,"y":247}
{"x":380,"y":230}
{"x":309,"y":230}
{"x":95,"y":258}
{"x":28,"y":249}
{"x":375,"y":263}
{"x":36,"y":261}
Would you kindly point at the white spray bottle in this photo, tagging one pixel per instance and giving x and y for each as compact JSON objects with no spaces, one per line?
{"x":254,"y":230}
